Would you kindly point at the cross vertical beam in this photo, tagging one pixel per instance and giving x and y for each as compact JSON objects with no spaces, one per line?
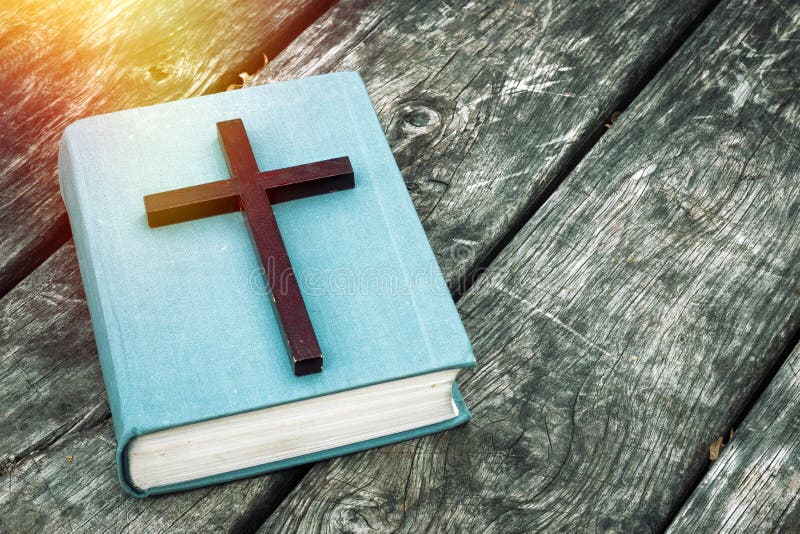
{"x":286,"y":297}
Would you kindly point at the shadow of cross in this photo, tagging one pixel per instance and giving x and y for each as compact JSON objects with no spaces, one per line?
{"x":253,"y":192}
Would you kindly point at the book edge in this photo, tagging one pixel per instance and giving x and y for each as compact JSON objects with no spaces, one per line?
{"x":70,"y":194}
{"x":463,"y":416}
{"x":467,"y":356}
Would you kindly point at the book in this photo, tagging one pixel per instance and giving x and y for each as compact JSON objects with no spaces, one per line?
{"x":196,"y":371}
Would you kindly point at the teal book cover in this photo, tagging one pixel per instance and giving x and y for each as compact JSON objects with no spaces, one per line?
{"x":184,"y":329}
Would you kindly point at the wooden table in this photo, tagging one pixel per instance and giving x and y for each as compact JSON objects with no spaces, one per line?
{"x":612,"y":190}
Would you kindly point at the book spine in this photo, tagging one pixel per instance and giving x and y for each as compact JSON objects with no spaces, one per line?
{"x":68,"y":176}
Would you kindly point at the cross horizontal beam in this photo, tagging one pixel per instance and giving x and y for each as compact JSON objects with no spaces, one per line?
{"x":217,"y":198}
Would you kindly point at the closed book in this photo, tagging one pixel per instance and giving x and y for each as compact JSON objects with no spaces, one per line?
{"x":196,"y":369}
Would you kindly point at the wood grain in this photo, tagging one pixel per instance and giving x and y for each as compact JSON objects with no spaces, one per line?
{"x":49,"y":373}
{"x":485,"y":104}
{"x":626,"y":325}
{"x":753,"y":487}
{"x":72,"y":487}
{"x":66,"y":60}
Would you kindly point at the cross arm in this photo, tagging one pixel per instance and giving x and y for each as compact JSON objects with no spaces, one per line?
{"x":307,"y":180}
{"x":216,"y":198}
{"x":189,"y":203}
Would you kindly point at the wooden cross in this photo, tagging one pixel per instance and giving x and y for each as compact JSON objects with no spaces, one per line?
{"x":253,"y":192}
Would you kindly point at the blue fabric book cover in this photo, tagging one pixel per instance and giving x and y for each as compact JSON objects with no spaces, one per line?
{"x":183,"y":326}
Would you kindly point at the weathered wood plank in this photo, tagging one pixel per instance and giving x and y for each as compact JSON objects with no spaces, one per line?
{"x":486,"y":103}
{"x":49,"y":372}
{"x":65,"y":60}
{"x":72,"y":487}
{"x":753,"y":487}
{"x":626,"y":325}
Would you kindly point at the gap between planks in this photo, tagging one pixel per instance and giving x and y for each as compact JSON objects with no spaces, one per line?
{"x":471,"y":276}
{"x":758,"y":395}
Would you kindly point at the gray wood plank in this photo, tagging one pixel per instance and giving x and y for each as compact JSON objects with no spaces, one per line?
{"x":625,"y":327}
{"x":541,"y":32}
{"x":486,"y":103}
{"x":753,"y":487}
{"x":50,"y":379}
{"x":72,"y":487}
{"x":66,"y":60}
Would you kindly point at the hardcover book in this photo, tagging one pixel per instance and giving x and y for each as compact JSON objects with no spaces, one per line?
{"x":194,"y":354}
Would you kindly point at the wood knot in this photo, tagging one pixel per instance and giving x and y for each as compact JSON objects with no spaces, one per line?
{"x":416,"y":125}
{"x":417,"y":118}
{"x":157,"y":73}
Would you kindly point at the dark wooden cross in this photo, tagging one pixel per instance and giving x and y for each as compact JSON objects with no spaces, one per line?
{"x":253,"y":192}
